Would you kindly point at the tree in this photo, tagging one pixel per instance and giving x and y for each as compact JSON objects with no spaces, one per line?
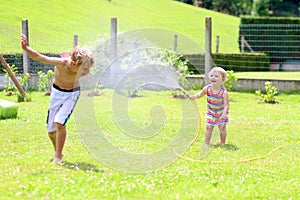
{"x":286,"y":8}
{"x":261,"y":8}
{"x":231,"y":7}
{"x":276,"y":8}
{"x":187,"y":1}
{"x":208,"y":4}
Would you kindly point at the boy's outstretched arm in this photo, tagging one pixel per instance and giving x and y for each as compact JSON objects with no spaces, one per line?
{"x":40,"y":57}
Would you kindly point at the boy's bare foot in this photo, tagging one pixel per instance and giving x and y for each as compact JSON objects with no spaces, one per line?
{"x":57,"y":161}
{"x":55,"y":158}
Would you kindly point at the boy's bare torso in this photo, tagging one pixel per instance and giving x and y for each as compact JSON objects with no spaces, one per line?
{"x":65,"y":78}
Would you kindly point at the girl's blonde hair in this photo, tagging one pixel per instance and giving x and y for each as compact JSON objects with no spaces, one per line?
{"x":82,"y":56}
{"x":221,"y":71}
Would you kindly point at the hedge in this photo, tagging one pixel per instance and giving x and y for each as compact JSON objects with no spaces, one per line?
{"x":17,"y":60}
{"x":238,"y":62}
{"x":277,"y":36}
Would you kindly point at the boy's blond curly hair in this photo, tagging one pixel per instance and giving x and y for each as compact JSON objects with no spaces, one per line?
{"x":82,"y":56}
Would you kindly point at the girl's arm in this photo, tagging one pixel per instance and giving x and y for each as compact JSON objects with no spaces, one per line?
{"x":226,"y":104}
{"x":199,"y":94}
{"x":40,"y":57}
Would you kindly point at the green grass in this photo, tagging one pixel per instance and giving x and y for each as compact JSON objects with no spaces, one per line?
{"x":253,"y":132}
{"x":52,"y":24}
{"x":269,"y":75}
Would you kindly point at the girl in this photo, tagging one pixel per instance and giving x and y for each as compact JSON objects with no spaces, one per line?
{"x":217,"y":104}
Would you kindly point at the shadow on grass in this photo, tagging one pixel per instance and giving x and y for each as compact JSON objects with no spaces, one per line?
{"x":82,"y":166}
{"x":228,"y":147}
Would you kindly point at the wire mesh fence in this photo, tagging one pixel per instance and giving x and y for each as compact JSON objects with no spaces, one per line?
{"x":279,"y":41}
{"x":280,"y":45}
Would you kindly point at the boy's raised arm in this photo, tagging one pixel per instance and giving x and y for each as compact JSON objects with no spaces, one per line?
{"x":40,"y":57}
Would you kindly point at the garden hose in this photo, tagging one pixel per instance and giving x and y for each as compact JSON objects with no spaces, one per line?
{"x":232,"y":161}
{"x":198,"y":114}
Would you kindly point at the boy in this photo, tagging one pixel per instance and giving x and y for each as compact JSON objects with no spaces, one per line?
{"x":65,"y":90}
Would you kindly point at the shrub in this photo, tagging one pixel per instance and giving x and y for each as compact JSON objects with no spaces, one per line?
{"x":45,"y":81}
{"x":180,"y":63}
{"x":21,"y":98}
{"x":24,"y":80}
{"x":10,"y":88}
{"x":132,"y":86}
{"x":231,"y":79}
{"x":242,"y":62}
{"x":269,"y":96}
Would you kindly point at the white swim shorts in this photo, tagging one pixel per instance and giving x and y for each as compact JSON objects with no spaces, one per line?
{"x":62,"y":103}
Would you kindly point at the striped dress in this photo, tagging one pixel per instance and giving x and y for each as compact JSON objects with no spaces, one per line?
{"x":215,"y":107}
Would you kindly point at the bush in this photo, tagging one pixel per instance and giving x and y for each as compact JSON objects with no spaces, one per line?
{"x":231,"y":79}
{"x":238,"y":62}
{"x":16,"y":59}
{"x":266,"y":34}
{"x":10,"y":88}
{"x":241,"y":62}
{"x":180,"y":63}
{"x":269,"y":96}
{"x":45,"y":81}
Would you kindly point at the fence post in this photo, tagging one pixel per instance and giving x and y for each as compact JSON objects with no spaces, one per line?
{"x":175,"y":42}
{"x":217,"y":44}
{"x":75,"y":41}
{"x":26,"y":61}
{"x":208,"y":59}
{"x":242,"y":43}
{"x":113,"y":48}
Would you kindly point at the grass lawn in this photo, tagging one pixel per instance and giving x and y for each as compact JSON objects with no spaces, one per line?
{"x":266,"y":75}
{"x":62,"y":19}
{"x":269,"y":75}
{"x":260,"y":161}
